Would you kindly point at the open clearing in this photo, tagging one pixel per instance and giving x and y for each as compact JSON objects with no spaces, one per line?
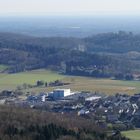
{"x":133,"y":135}
{"x":77,"y":83}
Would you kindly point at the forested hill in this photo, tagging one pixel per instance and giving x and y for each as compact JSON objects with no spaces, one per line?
{"x":120,"y":42}
{"x":101,"y":55}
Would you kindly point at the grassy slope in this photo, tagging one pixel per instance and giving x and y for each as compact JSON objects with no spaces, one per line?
{"x":11,"y":81}
{"x":133,"y":135}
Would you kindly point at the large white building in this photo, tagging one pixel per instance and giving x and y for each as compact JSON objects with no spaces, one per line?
{"x":60,"y":93}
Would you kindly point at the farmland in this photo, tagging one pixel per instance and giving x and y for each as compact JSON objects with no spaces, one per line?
{"x":133,"y":135}
{"x":109,"y":86}
{"x":11,"y":81}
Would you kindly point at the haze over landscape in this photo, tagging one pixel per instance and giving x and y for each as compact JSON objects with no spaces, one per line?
{"x":69,"y":26}
{"x":69,"y":18}
{"x":69,"y":70}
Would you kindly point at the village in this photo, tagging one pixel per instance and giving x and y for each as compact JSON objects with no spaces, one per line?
{"x":119,"y":111}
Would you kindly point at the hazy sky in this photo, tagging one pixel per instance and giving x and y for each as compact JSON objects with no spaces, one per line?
{"x":17,"y":7}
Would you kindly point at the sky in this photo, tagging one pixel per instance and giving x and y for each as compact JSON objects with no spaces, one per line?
{"x":72,"y":7}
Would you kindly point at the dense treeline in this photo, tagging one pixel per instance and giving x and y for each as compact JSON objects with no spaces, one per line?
{"x":102,"y":55}
{"x":26,"y":124}
{"x":120,"y":42}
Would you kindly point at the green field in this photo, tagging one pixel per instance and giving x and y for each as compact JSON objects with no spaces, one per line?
{"x":108,"y":86}
{"x":133,"y":135}
{"x":11,"y":81}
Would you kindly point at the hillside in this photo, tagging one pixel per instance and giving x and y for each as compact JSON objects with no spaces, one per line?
{"x":27,"y":124}
{"x":103,"y":55}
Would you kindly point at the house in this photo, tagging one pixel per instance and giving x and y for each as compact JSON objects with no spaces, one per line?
{"x":42,"y":97}
{"x":6,"y":94}
{"x":137,"y":113}
{"x":135,"y":98}
{"x":83,"y":112}
{"x":93,"y":98}
{"x":39,"y":98}
{"x":31,"y":98}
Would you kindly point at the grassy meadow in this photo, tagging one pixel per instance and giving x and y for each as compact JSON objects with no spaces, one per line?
{"x":133,"y":135}
{"x":11,"y":81}
{"x":108,"y":86}
{"x":77,"y":83}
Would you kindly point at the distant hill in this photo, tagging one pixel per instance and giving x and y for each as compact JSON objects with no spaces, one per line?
{"x":121,"y":42}
{"x":102,"y":55}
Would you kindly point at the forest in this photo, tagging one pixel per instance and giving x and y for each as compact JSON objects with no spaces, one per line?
{"x":101,"y":55}
{"x":27,"y":124}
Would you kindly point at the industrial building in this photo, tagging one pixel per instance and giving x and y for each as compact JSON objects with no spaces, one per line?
{"x":60,"y":93}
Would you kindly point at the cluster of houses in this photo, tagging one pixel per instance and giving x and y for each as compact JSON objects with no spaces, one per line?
{"x":104,"y":109}
{"x":115,"y":109}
